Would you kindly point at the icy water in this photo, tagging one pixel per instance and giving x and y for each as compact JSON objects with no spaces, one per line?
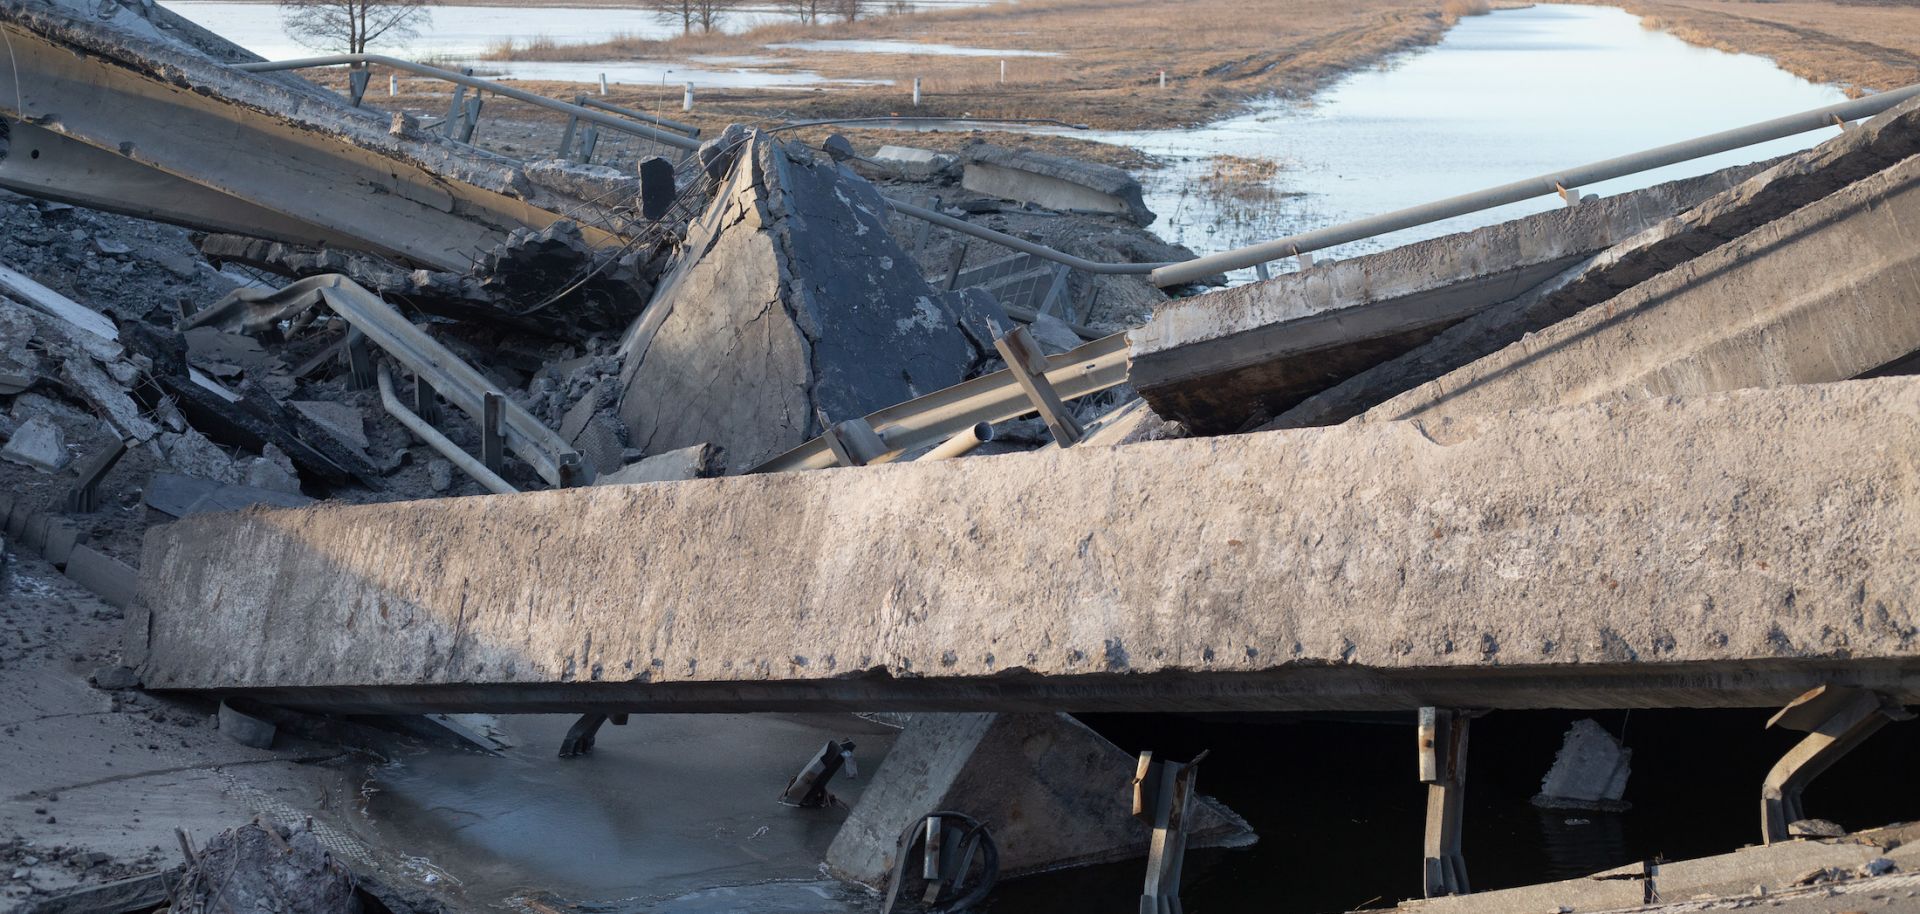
{"x":1502,"y":97}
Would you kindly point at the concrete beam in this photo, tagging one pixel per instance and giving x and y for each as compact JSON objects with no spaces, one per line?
{"x":1822,"y":294}
{"x":1215,"y":361}
{"x":1774,"y":193}
{"x":1723,"y":551}
{"x":278,"y":145}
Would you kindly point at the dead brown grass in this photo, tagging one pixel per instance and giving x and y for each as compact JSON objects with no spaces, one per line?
{"x":1862,"y":45}
{"x":1215,"y":53}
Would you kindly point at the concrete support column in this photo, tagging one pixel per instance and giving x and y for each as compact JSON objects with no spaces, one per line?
{"x":1443,"y":767}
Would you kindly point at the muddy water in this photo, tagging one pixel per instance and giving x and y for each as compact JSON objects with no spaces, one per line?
{"x":1502,"y":97}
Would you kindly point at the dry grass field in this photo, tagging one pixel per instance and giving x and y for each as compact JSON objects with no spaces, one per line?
{"x":1863,"y":44}
{"x":1111,"y":52}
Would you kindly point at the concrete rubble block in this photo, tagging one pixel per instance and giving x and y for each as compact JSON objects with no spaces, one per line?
{"x":20,"y":366}
{"x":1590,"y":771}
{"x":697,"y":461}
{"x":62,"y":535}
{"x":1053,"y":793}
{"x":111,"y":579}
{"x":1822,"y":294}
{"x":38,"y":443}
{"x":914,"y":163}
{"x":1781,"y":188}
{"x":346,"y":422}
{"x":244,"y":728}
{"x":1216,"y":360}
{"x":789,"y":301}
{"x":1772,"y":547}
{"x":1055,"y":182}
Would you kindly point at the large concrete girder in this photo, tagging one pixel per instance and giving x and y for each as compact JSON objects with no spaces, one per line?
{"x":1216,"y":361}
{"x":290,"y":150}
{"x":1822,"y":294}
{"x":1732,"y":550}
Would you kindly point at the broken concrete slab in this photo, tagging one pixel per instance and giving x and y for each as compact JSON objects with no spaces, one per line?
{"x":913,"y":163}
{"x":38,"y":443}
{"x":182,"y":496}
{"x":1055,"y":182}
{"x":1053,"y":792}
{"x":345,"y":421}
{"x":1590,"y":771}
{"x":1822,"y":294}
{"x":1477,"y":562}
{"x":112,"y":580}
{"x":1796,"y":181}
{"x":790,"y":305}
{"x":698,"y":461}
{"x":1217,"y":360}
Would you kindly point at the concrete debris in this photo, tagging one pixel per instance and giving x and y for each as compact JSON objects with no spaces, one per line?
{"x":40,"y":444}
{"x":345,"y":421}
{"x":245,"y":728}
{"x":273,"y":471}
{"x":440,"y":474}
{"x":1055,"y":182}
{"x":1589,"y":773}
{"x":1052,"y":791}
{"x":264,"y":867}
{"x":697,"y":461}
{"x":785,"y":310}
{"x":915,"y":164}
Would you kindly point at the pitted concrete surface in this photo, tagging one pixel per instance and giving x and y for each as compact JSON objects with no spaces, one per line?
{"x":1213,"y":361}
{"x":1720,"y":551}
{"x":1781,"y":189}
{"x":1823,"y":294}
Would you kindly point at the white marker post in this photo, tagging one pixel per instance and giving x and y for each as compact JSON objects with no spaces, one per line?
{"x":393,"y":84}
{"x":686,"y":102}
{"x":916,"y":92}
{"x":603,"y":84}
{"x":1163,"y":79}
{"x":1003,"y":71}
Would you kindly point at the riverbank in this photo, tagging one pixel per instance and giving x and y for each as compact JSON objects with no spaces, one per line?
{"x":1106,"y":72}
{"x":1860,"y":45}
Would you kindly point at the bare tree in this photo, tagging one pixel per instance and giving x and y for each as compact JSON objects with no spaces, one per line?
{"x":849,"y":10}
{"x":352,"y":25}
{"x":706,"y":14}
{"x":807,"y":11}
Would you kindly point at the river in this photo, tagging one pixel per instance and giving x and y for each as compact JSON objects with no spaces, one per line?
{"x":1501,"y":97}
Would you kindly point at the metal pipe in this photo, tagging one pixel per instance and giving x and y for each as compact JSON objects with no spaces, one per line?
{"x":1022,"y":245}
{"x":1538,"y":186}
{"x":437,"y":441}
{"x":687,"y":129}
{"x":586,"y":114}
{"x":969,"y":438}
{"x":995,"y":397}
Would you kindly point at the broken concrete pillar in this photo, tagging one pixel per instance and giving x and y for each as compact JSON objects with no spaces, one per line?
{"x":789,"y":304}
{"x":1053,"y":793}
{"x":1822,"y":294}
{"x":1590,"y":772}
{"x":1217,"y":360}
{"x":1055,"y":182}
{"x":1478,"y":562}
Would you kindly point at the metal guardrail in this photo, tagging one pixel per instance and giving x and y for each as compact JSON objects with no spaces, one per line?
{"x":1563,"y":181}
{"x":597,"y":118}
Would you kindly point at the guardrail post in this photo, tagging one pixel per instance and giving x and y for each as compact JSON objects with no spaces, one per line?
{"x":1057,"y":291}
{"x":492,"y":444}
{"x":472,"y":118}
{"x":1029,"y":367}
{"x":456,"y":107}
{"x":1443,"y":767}
{"x":566,"y":133}
{"x":357,"y":84}
{"x":588,"y":141}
